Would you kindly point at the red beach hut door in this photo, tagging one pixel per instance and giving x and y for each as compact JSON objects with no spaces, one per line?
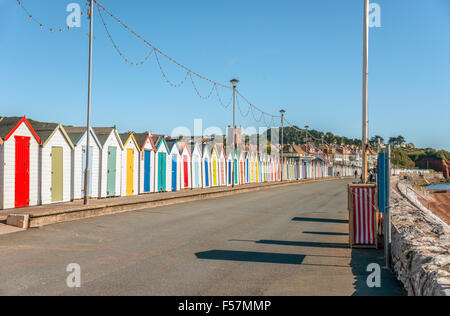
{"x":22,"y":186}
{"x":186,"y":172}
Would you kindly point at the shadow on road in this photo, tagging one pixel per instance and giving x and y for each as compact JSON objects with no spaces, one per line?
{"x":320,"y":220}
{"x":326,"y":233}
{"x":247,"y":256}
{"x":303,"y":244}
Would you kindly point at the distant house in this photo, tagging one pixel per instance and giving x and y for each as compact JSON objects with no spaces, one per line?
{"x":78,"y":137}
{"x":110,"y":161}
{"x":55,"y":163}
{"x":19,"y":163}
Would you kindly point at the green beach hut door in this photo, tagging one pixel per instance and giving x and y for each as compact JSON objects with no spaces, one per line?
{"x":111,"y":178}
{"x":57,"y":174}
{"x":161,"y":171}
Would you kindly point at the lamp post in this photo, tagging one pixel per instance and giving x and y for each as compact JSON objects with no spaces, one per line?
{"x":365,"y":113}
{"x":306,"y":134}
{"x":88,"y":125}
{"x":234,"y":83}
{"x":282,"y":142}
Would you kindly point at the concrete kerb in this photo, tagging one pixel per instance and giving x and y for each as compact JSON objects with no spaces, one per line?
{"x":121,"y":207}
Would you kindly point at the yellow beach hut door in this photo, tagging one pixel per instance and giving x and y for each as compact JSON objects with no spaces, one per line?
{"x":57,"y":174}
{"x":130,"y":171}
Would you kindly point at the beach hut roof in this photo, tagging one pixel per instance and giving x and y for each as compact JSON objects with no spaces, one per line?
{"x":103,"y":133}
{"x":141,"y":139}
{"x":127,"y":137}
{"x":47,"y":130}
{"x":77,"y":134}
{"x":8,"y":126}
{"x":172,"y":143}
{"x":158,"y":140}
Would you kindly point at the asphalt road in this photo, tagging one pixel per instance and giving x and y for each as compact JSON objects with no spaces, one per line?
{"x":284,"y":241}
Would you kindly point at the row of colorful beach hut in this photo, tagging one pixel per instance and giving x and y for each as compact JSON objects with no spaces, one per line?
{"x":42,"y":163}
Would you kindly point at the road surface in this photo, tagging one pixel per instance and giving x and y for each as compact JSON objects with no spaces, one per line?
{"x":290,"y":240}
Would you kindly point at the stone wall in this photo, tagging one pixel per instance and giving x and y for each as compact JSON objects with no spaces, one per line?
{"x":420,"y":246}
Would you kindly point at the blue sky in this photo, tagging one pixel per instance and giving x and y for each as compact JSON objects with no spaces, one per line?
{"x":302,"y":55}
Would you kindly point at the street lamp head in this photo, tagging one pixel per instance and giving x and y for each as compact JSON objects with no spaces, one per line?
{"x":307,"y":126}
{"x":234,"y":82}
{"x":282,"y":111}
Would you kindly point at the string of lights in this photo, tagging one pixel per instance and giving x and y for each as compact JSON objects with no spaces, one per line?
{"x":305,"y":131}
{"x":158,"y":53}
{"x":116,"y":47}
{"x":41,"y":25}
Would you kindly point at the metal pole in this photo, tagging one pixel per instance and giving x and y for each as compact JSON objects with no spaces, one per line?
{"x":365,"y":115}
{"x":387,"y":221}
{"x":282,"y":142}
{"x":88,"y":125}
{"x":234,"y":82}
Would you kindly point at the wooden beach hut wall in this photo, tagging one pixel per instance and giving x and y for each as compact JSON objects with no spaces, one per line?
{"x":241,"y":167}
{"x":215,"y":166}
{"x":161,"y":164}
{"x":236,"y":167}
{"x":130,"y":164}
{"x":147,"y":152}
{"x":196,"y":165}
{"x":186,"y":168}
{"x":174,"y":165}
{"x":78,"y":136}
{"x":55,"y":163}
{"x":229,"y":167}
{"x":222,"y":165}
{"x":19,"y":163}
{"x":110,"y":161}
{"x":206,"y":166}
{"x":247,"y":167}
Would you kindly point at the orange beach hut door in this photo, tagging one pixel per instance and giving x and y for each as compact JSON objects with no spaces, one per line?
{"x":130,"y":171}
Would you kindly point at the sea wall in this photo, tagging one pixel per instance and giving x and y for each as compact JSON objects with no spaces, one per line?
{"x":420,"y":245}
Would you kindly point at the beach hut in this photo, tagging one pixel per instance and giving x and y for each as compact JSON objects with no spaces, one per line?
{"x":110,"y":161}
{"x":186,"y":170}
{"x":146,"y":162}
{"x":78,"y":136}
{"x":130,"y":164}
{"x":229,"y":161}
{"x":215,"y":166}
{"x":161,"y":164}
{"x":241,"y":154}
{"x":174,"y":165}
{"x":55,"y":163}
{"x":196,"y":165}
{"x":19,"y":163}
{"x":206,"y":168}
{"x":222,"y":165}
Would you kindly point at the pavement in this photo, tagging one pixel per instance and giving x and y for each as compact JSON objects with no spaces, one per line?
{"x":289,"y":240}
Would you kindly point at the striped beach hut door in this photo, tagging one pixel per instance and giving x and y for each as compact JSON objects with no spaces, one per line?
{"x":111,"y":177}
{"x":229,"y":172}
{"x":57,"y":174}
{"x":147,"y":166}
{"x":174,"y":173}
{"x":91,"y":149}
{"x":235,"y":171}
